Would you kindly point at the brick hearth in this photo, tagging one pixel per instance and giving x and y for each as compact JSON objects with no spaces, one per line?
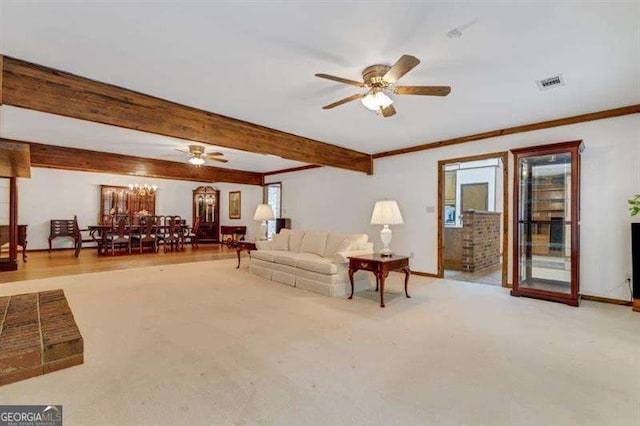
{"x":38,"y":335}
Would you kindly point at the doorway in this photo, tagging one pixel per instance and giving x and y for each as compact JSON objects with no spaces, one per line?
{"x":473,"y":219}
{"x":272,"y":195}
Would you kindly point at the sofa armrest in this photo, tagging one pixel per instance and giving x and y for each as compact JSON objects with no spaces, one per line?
{"x":343,"y":256}
{"x":263,"y":245}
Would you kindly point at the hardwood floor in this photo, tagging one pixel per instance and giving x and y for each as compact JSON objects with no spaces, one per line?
{"x":41,"y":264}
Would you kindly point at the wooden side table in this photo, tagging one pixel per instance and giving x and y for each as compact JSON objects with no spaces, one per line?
{"x":247,"y":246}
{"x":380,"y":266}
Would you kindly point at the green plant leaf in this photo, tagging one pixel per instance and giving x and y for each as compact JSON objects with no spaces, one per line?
{"x":634,"y":204}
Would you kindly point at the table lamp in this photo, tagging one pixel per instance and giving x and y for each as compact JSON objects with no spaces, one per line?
{"x":264,"y":212}
{"x":386,"y":213}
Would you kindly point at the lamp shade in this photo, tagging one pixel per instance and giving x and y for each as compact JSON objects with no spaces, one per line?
{"x":386,"y":212}
{"x":263,"y":212}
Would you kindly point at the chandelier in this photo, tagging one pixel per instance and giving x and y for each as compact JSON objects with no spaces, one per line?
{"x":143,"y":190}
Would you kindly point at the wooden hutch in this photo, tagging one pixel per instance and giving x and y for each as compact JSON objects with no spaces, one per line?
{"x":546,"y":241}
{"x":206,"y":206}
{"x":120,"y":200}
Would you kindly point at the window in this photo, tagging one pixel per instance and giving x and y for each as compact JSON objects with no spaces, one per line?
{"x":273,"y":197}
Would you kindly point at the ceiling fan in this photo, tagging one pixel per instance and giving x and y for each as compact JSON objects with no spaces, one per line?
{"x":198,"y":156}
{"x":380,"y":81}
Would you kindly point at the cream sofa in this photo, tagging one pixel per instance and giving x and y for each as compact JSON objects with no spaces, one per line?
{"x":312,"y":260}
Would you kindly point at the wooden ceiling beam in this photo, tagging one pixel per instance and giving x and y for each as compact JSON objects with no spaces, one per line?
{"x":292,"y":169}
{"x":36,"y":87}
{"x":14,"y":159}
{"x":58,"y":157}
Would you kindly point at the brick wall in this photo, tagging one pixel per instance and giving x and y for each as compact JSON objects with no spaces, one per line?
{"x":38,"y":335}
{"x":480,"y":239}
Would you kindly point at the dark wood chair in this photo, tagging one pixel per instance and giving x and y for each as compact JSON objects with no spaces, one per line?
{"x":68,"y":228}
{"x":65,"y":228}
{"x":172,"y":234}
{"x":120,"y":235}
{"x":191,"y":236}
{"x":148,"y":235}
{"x":77,"y":237}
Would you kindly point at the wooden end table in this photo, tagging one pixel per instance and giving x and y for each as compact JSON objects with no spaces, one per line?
{"x":247,"y":246}
{"x":380,"y":266}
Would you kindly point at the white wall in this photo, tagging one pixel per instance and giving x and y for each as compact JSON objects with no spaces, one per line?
{"x":60,"y":194}
{"x":4,"y":201}
{"x":477,"y":174}
{"x":337,"y":200}
{"x":251,"y":196}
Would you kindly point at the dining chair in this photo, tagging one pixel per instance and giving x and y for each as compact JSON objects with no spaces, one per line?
{"x":171,"y":233}
{"x":192,"y":235}
{"x":148,"y":234}
{"x":120,"y":235}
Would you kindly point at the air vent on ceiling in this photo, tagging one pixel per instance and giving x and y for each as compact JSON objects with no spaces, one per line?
{"x":551,"y":82}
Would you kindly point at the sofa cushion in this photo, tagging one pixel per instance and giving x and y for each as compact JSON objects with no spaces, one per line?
{"x":314,"y":242}
{"x":336,"y":243}
{"x":285,"y":257}
{"x":320,"y":265}
{"x":358,"y":241}
{"x":295,"y":239}
{"x":266,"y":255}
{"x":280,"y":242}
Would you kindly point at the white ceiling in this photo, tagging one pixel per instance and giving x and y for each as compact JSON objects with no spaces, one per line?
{"x":255,"y":61}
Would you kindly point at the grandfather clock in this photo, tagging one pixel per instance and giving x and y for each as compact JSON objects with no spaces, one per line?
{"x":206,"y":206}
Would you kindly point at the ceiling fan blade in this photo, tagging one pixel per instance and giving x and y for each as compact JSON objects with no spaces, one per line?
{"x":221,"y":160}
{"x":211,"y":155}
{"x":388,"y":111}
{"x":405,"y":64}
{"x":343,"y":101}
{"x":422,"y":90}
{"x":341,"y":80}
{"x":183,"y":151}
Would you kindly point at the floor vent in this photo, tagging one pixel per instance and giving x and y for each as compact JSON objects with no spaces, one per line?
{"x":550,"y":83}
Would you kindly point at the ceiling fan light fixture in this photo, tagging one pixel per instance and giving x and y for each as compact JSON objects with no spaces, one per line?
{"x":196,"y":161}
{"x":375,"y":101}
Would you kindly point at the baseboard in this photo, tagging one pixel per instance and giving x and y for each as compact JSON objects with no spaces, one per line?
{"x":606,"y":300}
{"x":636,"y":305}
{"x":424,"y":274}
{"x":560,"y":298}
{"x":57,"y":249}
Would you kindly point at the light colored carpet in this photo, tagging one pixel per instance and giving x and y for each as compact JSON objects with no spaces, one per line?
{"x":204,"y":343}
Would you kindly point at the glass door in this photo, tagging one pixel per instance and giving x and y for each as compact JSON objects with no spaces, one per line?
{"x":546,"y":210}
{"x":273,"y":197}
